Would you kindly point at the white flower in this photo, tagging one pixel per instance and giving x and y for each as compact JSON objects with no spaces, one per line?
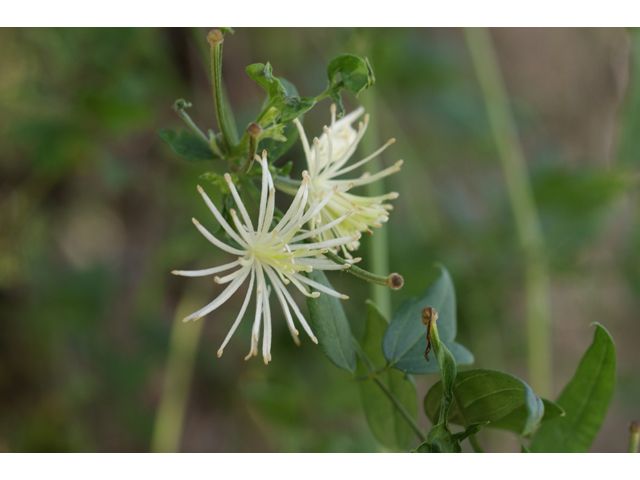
{"x":270,"y":253}
{"x":326,"y":160}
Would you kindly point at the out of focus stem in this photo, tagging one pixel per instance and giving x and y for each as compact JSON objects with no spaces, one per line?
{"x":523,"y":205}
{"x":379,"y":242}
{"x":183,"y":347}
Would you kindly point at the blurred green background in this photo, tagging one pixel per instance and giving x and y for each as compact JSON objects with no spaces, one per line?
{"x":95,"y":212}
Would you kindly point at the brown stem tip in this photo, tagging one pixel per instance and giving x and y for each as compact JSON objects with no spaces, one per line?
{"x":215,"y":37}
{"x":634,"y":427}
{"x":254,"y":130}
{"x":395,"y":281}
{"x":429,"y":317}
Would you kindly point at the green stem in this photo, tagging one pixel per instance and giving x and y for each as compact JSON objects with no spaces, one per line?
{"x":634,"y":438}
{"x":359,"y":272}
{"x":475,"y":444}
{"x":183,"y":346}
{"x":223,"y":112}
{"x":179,"y":107}
{"x":523,"y":205}
{"x":396,"y":403}
{"x":379,"y":242}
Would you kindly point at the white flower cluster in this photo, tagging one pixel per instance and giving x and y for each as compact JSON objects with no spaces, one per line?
{"x":281,"y":253}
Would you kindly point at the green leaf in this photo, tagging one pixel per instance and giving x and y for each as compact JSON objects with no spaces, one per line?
{"x":356,"y":75}
{"x":187,"y":146}
{"x":330,"y":325}
{"x":516,"y":421}
{"x":585,"y":399}
{"x":287,"y":107}
{"x":387,"y":424}
{"x":405,"y":340}
{"x":489,"y":396}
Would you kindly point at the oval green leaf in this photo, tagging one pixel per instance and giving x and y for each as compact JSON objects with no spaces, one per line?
{"x":406,"y":338}
{"x":187,"y":146}
{"x":489,"y":396}
{"x":330,"y":325}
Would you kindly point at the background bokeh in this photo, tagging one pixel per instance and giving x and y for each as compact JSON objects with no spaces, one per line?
{"x":95,"y":212}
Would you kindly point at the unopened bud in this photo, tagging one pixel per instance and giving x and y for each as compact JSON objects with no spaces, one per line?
{"x":215,"y":37}
{"x":429,"y":316}
{"x":254,"y":130}
{"x":395,"y":281}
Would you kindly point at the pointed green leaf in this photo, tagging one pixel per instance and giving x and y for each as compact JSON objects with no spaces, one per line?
{"x":585,"y":399}
{"x":387,"y":424}
{"x":330,"y":325}
{"x":489,"y":396}
{"x":187,"y":146}
{"x":406,"y":338}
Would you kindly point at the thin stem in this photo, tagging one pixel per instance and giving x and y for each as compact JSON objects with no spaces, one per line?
{"x":396,"y":403}
{"x":475,"y":443}
{"x":357,"y":271}
{"x":223,"y":112}
{"x":523,"y":205}
{"x":179,"y":107}
{"x":183,"y":346}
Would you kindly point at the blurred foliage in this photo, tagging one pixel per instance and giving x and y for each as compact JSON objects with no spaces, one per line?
{"x":95,"y":213}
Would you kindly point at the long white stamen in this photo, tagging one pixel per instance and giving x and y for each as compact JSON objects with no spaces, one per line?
{"x":215,"y":241}
{"x":205,"y":272}
{"x":221,"y":220}
{"x":223,"y":297}
{"x":243,"y":309}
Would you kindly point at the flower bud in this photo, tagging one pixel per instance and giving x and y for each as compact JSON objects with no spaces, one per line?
{"x":395,"y":281}
{"x":254,"y":130}
{"x":215,"y":37}
{"x":429,"y":316}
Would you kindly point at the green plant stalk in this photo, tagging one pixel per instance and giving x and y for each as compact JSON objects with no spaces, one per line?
{"x":223,"y":112}
{"x":359,"y":272}
{"x":379,"y":243}
{"x":522,"y":201}
{"x":396,"y":403}
{"x":473,"y":440}
{"x":183,"y":346}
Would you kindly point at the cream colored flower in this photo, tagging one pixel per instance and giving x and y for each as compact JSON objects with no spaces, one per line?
{"x":326,"y":160}
{"x":272,"y":254}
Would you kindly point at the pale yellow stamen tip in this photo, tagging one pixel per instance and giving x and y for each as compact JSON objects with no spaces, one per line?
{"x":344,"y":297}
{"x":316,"y":142}
{"x":296,"y":340}
{"x":391,"y":141}
{"x":314,"y":340}
{"x":195,"y":222}
{"x":216,"y":279}
{"x":219,"y":353}
{"x":200,"y":189}
{"x":399,"y":163}
{"x":266,"y":361}
{"x":227,"y":177}
{"x":366,"y":118}
{"x":175,"y":272}
{"x":315,"y":294}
